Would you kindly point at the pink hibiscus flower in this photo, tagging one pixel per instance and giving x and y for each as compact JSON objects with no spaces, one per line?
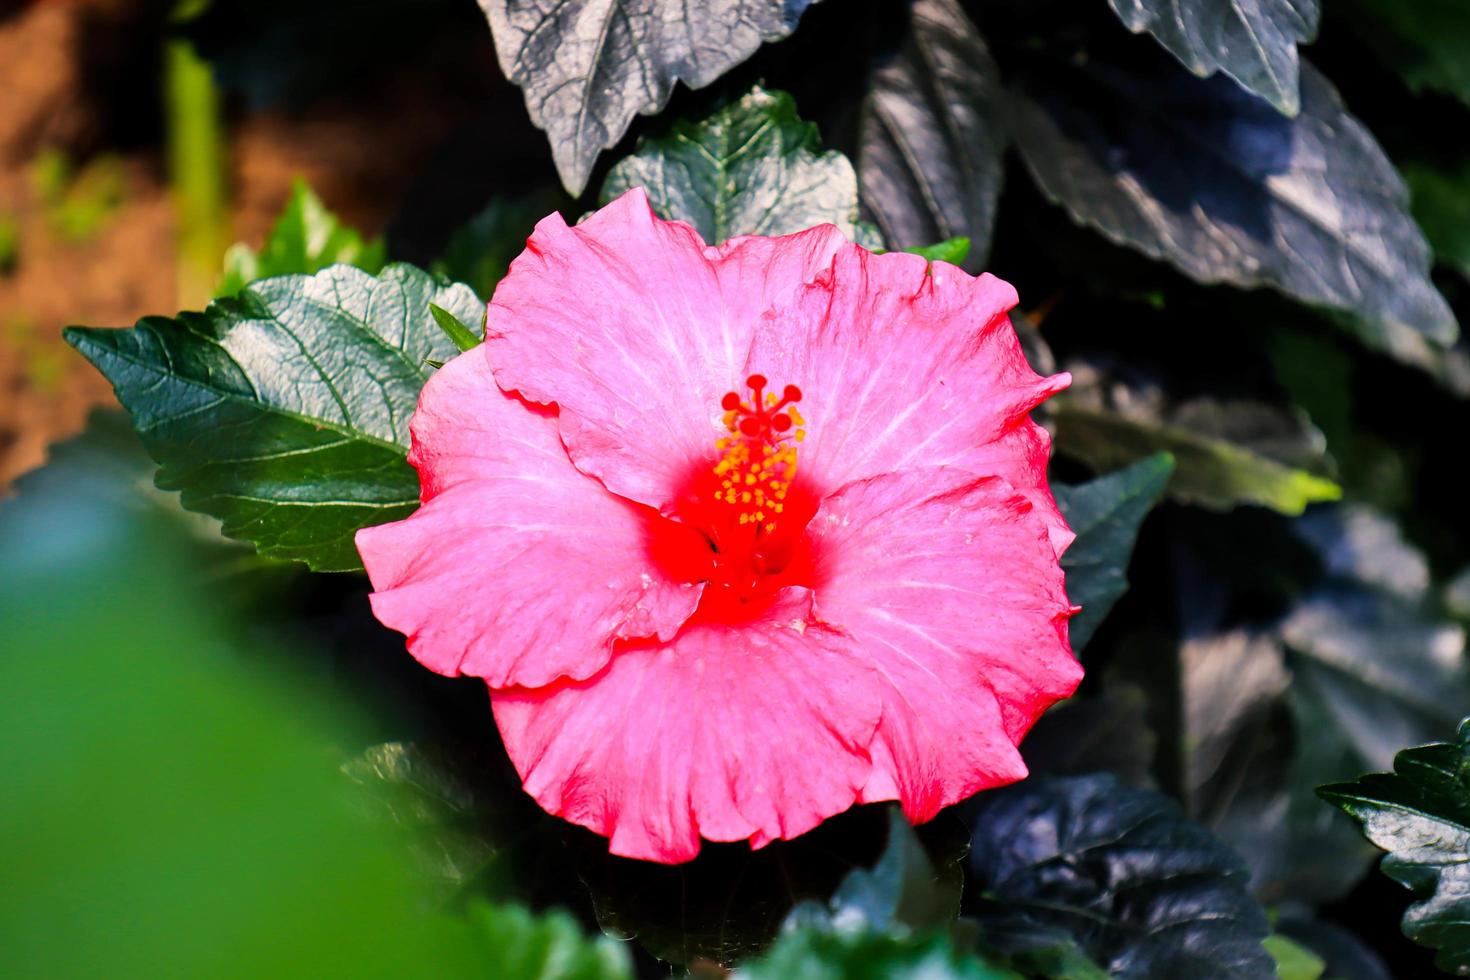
{"x":712,"y":605}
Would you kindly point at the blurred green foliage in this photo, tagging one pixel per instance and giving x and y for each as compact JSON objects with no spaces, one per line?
{"x":77,"y":202}
{"x":168,"y":810}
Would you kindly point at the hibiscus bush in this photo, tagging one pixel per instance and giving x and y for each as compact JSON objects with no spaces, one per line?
{"x":946,"y":488}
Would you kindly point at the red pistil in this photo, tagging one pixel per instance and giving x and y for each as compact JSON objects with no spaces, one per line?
{"x":750,"y":511}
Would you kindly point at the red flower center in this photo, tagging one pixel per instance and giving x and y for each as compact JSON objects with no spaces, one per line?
{"x":749,"y":510}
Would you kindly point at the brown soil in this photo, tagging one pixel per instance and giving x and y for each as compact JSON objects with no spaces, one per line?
{"x":358,"y":158}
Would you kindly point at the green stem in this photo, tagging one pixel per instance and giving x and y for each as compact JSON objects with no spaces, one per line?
{"x":196,"y":170}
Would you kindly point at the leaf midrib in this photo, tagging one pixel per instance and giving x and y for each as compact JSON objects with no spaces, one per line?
{"x":355,"y":435}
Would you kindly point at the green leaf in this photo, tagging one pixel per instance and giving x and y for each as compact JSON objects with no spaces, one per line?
{"x":1038,"y":950}
{"x":1294,"y":961}
{"x":460,"y":335}
{"x":413,"y":788}
{"x":1442,"y":208}
{"x":517,"y":943}
{"x":901,"y":894}
{"x":753,"y":167}
{"x":1358,"y":666}
{"x":306,"y":238}
{"x":1144,"y":892}
{"x":1095,"y":733}
{"x":951,"y":250}
{"x":1252,"y":41}
{"x":933,"y":135}
{"x":732,"y":902}
{"x":1426,"y":41}
{"x":1420,"y":815}
{"x":1236,"y":748}
{"x":1156,"y":161}
{"x":480,"y":252}
{"x":1383,"y":671}
{"x":284,"y":412}
{"x":1226,"y":452}
{"x":1106,"y":514}
{"x":813,"y":954}
{"x":588,"y":68}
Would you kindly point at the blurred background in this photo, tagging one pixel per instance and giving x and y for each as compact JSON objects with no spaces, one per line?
{"x":128,"y":166}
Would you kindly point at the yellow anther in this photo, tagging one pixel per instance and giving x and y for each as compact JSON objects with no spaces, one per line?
{"x":757,"y":455}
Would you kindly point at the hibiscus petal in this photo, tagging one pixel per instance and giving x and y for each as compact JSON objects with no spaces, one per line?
{"x":903,"y":365}
{"x":949,"y":585}
{"x":750,"y":733}
{"x":636,"y":329}
{"x":519,"y":568}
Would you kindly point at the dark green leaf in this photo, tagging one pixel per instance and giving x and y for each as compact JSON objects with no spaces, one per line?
{"x":1226,"y":452}
{"x":1106,"y":514}
{"x":1216,"y":182}
{"x":1236,"y":748}
{"x":1356,"y":543}
{"x":458,"y":333}
{"x":1377,"y":672}
{"x":933,"y":134}
{"x":1442,"y":208}
{"x":951,"y":250}
{"x":1427,"y":41}
{"x":1094,"y":733}
{"x":1365,"y":647}
{"x":588,"y":66}
{"x":306,"y":238}
{"x":481,"y":251}
{"x":731,"y":902}
{"x":1355,"y":664}
{"x":902,"y":893}
{"x":1420,"y":814}
{"x":284,"y":412}
{"x":415,"y":790}
{"x":1038,"y":950}
{"x":1143,"y":891}
{"x":1252,"y":41}
{"x":753,"y":167}
{"x":813,"y":954}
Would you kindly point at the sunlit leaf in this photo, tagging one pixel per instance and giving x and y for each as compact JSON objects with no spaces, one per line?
{"x":1252,"y":41}
{"x":951,"y":250}
{"x":284,"y":412}
{"x":1226,"y":452}
{"x":753,"y":167}
{"x":1203,"y":175}
{"x":589,"y":66}
{"x":933,"y":134}
{"x":1293,"y":960}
